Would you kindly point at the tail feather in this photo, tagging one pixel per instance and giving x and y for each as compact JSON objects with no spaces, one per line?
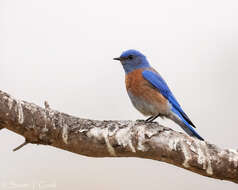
{"x":178,"y":118}
{"x":184,"y":115}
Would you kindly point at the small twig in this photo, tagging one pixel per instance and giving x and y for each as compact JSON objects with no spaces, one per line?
{"x":20,"y":146}
{"x":47,"y":106}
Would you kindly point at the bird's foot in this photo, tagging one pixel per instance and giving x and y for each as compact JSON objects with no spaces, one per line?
{"x":140,"y":120}
{"x":151,"y":122}
{"x":145,"y":121}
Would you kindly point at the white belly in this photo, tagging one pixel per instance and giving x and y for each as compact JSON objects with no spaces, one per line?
{"x":147,"y":108}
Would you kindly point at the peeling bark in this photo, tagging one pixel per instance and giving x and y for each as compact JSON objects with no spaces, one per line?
{"x":116,"y":139}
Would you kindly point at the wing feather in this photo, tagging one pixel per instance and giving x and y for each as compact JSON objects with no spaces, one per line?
{"x":158,"y":82}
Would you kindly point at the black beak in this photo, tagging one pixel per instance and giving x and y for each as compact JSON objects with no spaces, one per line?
{"x":117,"y":58}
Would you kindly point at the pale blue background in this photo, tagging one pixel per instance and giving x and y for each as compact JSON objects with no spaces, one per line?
{"x":61,"y":51}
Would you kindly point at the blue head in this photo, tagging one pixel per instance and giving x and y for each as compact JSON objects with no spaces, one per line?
{"x":132,"y":60}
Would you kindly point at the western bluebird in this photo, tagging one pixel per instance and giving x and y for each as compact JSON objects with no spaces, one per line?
{"x":150,"y":94}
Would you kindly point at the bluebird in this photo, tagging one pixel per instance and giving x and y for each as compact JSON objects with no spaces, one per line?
{"x":150,"y":94}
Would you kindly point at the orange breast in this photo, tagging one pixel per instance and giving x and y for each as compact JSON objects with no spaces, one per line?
{"x":138,"y":86}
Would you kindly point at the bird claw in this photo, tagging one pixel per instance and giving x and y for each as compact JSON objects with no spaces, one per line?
{"x":151,"y":122}
{"x":144,"y":121}
{"x":140,"y":120}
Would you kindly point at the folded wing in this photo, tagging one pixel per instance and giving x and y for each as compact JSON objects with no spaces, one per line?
{"x":157,"y":81}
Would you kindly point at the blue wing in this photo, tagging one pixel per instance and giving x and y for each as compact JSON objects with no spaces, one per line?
{"x":157,"y":81}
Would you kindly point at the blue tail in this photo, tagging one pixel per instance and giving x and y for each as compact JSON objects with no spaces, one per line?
{"x":189,"y":129}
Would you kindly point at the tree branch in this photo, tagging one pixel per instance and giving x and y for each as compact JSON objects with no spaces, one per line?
{"x":116,"y":139}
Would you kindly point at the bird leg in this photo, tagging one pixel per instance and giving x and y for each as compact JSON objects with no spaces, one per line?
{"x":152,"y":118}
{"x":148,"y":120}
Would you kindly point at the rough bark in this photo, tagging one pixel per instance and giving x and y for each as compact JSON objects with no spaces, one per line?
{"x":116,"y":139}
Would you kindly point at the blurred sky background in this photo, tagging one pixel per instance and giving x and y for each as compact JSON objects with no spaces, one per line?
{"x":61,"y":51}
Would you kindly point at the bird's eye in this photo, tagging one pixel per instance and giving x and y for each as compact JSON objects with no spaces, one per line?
{"x":130,"y":57}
